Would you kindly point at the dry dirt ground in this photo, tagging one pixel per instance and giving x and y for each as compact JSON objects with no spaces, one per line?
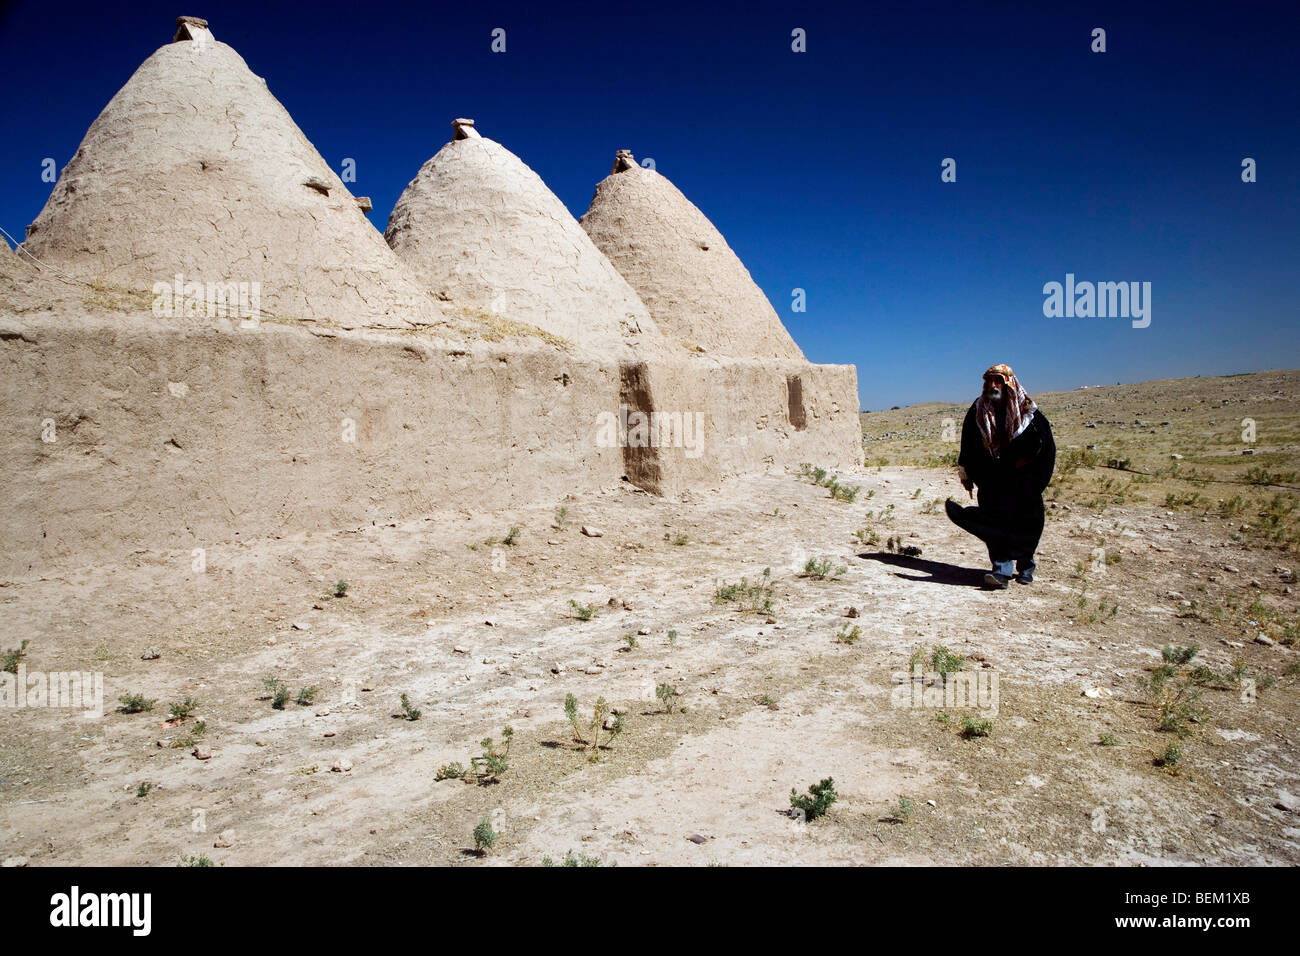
{"x":474,"y":632}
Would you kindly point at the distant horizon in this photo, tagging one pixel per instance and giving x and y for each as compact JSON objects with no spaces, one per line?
{"x":818,"y":138}
{"x":1076,"y":388}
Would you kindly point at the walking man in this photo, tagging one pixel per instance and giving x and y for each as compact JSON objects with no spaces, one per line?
{"x":1008,"y":453}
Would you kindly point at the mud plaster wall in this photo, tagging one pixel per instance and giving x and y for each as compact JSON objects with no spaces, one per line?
{"x":170,"y":440}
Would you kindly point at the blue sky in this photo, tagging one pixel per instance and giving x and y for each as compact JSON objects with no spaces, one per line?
{"x":822,"y":168}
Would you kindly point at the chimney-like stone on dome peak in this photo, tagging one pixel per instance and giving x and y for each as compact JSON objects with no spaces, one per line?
{"x":623,"y":160}
{"x":191,"y":28}
{"x":464,"y":129}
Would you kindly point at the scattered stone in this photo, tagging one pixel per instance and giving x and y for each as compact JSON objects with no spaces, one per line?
{"x":613,"y":602}
{"x":203,"y":753}
{"x":1248,"y":451}
{"x":697,"y":838}
{"x":322,"y":713}
{"x":1095,"y":692}
{"x":618,"y":711}
{"x":592,"y":670}
{"x":609,"y":723}
{"x":152,"y":654}
{"x":224,"y":840}
{"x":1285,"y":801}
{"x":460,"y":650}
{"x":364,"y":203}
{"x":1265,"y":640}
{"x":851,"y":612}
{"x":1254,"y":583}
{"x":260,"y":742}
{"x":642,"y":632}
{"x":301,"y":626}
{"x":1230,"y":569}
{"x":931,"y":803}
{"x":592,"y":531}
{"x":342,"y":765}
{"x":15,"y":861}
{"x":490,"y":622}
{"x":558,"y":669}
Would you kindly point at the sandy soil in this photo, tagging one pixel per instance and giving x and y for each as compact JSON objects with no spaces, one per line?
{"x":769,"y":702}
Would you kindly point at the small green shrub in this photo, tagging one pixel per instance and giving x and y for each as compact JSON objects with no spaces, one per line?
{"x":136,"y":703}
{"x":849,"y":634}
{"x":816,"y":801}
{"x":183,"y":707}
{"x":1108,"y":740}
{"x":668,"y":694}
{"x":408,"y":711}
{"x":822,"y":570}
{"x":278,"y":690}
{"x":484,"y":836}
{"x":583,"y":612}
{"x":307,"y":695}
{"x":493,"y":762}
{"x":10,"y":659}
{"x":340,"y":589}
{"x":452,"y":771}
{"x":971,"y":727}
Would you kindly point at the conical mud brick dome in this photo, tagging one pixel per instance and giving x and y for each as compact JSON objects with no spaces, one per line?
{"x":485,"y":234}
{"x":696,"y":288}
{"x":195,"y":169}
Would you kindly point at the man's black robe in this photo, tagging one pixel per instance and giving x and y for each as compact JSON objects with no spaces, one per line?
{"x":1010,"y":514}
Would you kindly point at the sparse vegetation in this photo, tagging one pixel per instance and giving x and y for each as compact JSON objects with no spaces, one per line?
{"x":484,"y":837}
{"x":848,"y":634}
{"x":340,"y":589}
{"x":512,"y":536}
{"x":492,"y":764}
{"x":191,"y":738}
{"x":1108,"y":740}
{"x":822,"y":569}
{"x":668,"y":694}
{"x":409,"y":711}
{"x":182,"y":708}
{"x":306,"y":695}
{"x":278,"y":691}
{"x":10,"y":659}
{"x":974,"y":727}
{"x":135,"y":703}
{"x":572,"y":859}
{"x":452,"y":771}
{"x":816,"y":801}
{"x":583,"y":612}
{"x":143,"y":789}
{"x":757,"y":598}
{"x":1174,"y":693}
{"x":561,"y":518}
{"x":199,"y":860}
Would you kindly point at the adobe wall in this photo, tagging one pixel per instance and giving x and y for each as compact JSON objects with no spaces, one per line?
{"x":168,"y":438}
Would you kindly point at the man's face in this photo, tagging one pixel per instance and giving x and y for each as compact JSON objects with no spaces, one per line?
{"x":994,"y":388}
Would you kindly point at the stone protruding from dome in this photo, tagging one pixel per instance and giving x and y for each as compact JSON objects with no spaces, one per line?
{"x":195,"y":170}
{"x":697,"y":290}
{"x":191,"y":28}
{"x":492,"y":242}
{"x":464,"y":129}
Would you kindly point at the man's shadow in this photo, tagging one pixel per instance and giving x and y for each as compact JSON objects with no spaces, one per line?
{"x":935,"y":572}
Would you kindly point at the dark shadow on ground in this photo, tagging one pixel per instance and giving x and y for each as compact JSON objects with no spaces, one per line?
{"x":935,"y":572}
